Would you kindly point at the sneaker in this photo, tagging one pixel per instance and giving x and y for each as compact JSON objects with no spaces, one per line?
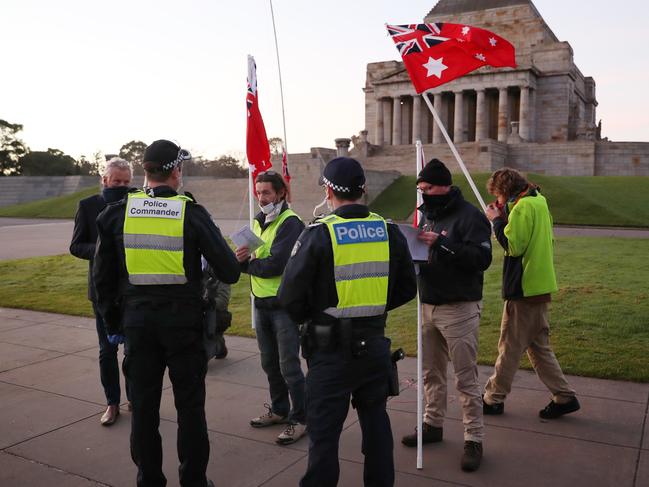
{"x":492,"y":409}
{"x":268,"y":419}
{"x":555,"y":410}
{"x":472,"y":456}
{"x":429,"y":434}
{"x":292,"y":433}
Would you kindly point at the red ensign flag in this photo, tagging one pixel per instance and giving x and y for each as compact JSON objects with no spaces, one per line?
{"x":257,"y":147}
{"x":437,"y":53}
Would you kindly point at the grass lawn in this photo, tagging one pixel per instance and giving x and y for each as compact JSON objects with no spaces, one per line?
{"x":58,"y":207}
{"x":600,"y":316}
{"x":579,"y":200}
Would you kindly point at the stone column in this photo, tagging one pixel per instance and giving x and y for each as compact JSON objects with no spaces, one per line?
{"x":378,"y":136}
{"x":458,"y":126}
{"x":503,"y":105}
{"x":342,"y":147}
{"x":396,"y":121}
{"x":481,"y":127}
{"x":524,"y":117}
{"x":416,"y":118}
{"x":437,"y":131}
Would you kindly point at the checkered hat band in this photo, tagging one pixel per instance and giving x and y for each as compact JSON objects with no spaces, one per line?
{"x":335,"y":187}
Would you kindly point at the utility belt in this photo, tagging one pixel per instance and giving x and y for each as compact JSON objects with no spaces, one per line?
{"x":337,"y":335}
{"x":162,"y":303}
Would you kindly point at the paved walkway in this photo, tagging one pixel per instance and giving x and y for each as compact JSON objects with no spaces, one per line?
{"x":51,"y":401}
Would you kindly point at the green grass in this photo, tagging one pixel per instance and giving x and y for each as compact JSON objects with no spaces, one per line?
{"x":578,"y":200}
{"x":599,"y":317}
{"x":58,"y":207}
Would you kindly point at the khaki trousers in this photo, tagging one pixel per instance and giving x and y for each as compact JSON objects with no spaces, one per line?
{"x":525,"y":326}
{"x":451,"y":331}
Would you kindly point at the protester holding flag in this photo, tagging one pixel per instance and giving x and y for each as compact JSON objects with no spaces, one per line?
{"x":450,"y":289}
{"x":523,"y":226}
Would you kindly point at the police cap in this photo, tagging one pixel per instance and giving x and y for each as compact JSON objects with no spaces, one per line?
{"x":163,"y":155}
{"x":344,"y":175}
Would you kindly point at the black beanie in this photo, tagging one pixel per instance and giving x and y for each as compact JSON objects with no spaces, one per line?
{"x":161,"y":152}
{"x":435,"y":173}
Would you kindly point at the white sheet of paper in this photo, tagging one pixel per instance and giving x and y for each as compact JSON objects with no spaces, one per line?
{"x":418,"y":249}
{"x":245,"y":237}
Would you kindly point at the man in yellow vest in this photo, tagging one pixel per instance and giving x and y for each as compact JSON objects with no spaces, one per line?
{"x":277,"y":334}
{"x":147,"y":272}
{"x":347,"y":270}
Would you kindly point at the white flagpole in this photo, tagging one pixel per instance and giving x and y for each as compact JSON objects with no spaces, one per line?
{"x":438,"y":121}
{"x":281,"y":88}
{"x":251,"y":210}
{"x":420,"y":414}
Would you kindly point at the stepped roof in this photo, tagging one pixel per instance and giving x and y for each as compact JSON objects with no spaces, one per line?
{"x":451,"y":7}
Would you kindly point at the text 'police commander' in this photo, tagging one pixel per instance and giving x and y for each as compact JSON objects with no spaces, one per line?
{"x":147,"y":272}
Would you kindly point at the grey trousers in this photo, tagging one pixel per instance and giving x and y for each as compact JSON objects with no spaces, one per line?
{"x":450,"y":331}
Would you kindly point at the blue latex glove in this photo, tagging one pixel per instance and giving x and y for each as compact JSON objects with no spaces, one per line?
{"x":116,"y":339}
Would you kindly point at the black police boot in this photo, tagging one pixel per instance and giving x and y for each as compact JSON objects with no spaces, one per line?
{"x":555,"y":410}
{"x":472,"y":456}
{"x":429,"y":434}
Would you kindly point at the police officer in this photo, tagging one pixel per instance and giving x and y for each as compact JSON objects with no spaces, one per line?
{"x":346,"y":271}
{"x":147,"y":274}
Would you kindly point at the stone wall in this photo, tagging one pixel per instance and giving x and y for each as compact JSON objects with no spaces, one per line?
{"x":23,"y":189}
{"x":622,"y":158}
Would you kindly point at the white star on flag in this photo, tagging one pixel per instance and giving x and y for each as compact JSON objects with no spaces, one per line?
{"x":465,"y":30}
{"x":493,"y":41}
{"x":481,"y":57}
{"x":435,"y":67}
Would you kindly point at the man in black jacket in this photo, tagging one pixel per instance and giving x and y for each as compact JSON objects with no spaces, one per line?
{"x":148,"y":273}
{"x":450,"y":288}
{"x":342,"y":288}
{"x":115,"y":182}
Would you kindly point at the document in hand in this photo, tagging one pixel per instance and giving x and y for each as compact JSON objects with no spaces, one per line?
{"x":418,"y":249}
{"x":245,"y":237}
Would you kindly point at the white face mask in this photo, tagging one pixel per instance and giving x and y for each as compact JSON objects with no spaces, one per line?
{"x":266,"y":209}
{"x":325,"y":201}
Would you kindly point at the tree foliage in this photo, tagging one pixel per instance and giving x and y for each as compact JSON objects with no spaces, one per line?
{"x":222,"y":167}
{"x":133,"y":152}
{"x":54,"y":162}
{"x":276,"y":144}
{"x":11,"y":148}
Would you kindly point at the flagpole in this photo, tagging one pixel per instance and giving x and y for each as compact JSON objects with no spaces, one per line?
{"x":251,"y":214}
{"x":279,"y":72}
{"x":420,"y":395}
{"x":438,"y":121}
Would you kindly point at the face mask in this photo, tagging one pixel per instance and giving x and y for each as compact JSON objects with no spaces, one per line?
{"x":325,"y":201}
{"x":434,"y":201}
{"x":266,"y":209}
{"x":111,"y":195}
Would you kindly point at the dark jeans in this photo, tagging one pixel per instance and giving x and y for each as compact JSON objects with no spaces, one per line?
{"x":279,"y":344}
{"x":153,"y":346}
{"x":331,"y":380}
{"x":108,"y":364}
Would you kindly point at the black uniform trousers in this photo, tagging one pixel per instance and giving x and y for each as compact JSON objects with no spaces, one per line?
{"x":161,"y":335}
{"x":332,"y":378}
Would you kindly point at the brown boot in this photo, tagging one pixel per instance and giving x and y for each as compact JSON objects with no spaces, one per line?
{"x":472,"y":456}
{"x":429,"y":434}
{"x":110,"y":416}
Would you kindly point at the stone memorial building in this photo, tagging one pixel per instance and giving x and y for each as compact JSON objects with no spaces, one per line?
{"x":540,"y":116}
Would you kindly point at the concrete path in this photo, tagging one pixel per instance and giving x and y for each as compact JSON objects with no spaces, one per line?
{"x":51,"y":401}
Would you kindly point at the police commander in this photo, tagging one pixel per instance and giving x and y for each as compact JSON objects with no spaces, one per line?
{"x":147,"y":274}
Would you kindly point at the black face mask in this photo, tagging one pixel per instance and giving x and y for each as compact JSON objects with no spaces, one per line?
{"x":111,"y":195}
{"x":436,"y":201}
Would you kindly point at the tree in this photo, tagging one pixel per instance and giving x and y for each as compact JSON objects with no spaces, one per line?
{"x":133,"y":152}
{"x":276,"y":144}
{"x":87,"y":167}
{"x":11,"y":148}
{"x":52,"y":162}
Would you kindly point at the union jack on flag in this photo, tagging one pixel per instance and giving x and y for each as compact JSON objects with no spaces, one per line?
{"x":436,"y":53}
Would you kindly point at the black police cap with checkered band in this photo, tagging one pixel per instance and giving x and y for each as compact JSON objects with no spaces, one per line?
{"x":344,"y":175}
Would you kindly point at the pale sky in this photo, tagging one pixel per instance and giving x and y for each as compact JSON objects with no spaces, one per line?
{"x":83,"y":76}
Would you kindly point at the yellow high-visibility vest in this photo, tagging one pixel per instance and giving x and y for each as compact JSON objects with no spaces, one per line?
{"x":153,"y":239}
{"x":361,"y":251}
{"x":265,"y":287}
